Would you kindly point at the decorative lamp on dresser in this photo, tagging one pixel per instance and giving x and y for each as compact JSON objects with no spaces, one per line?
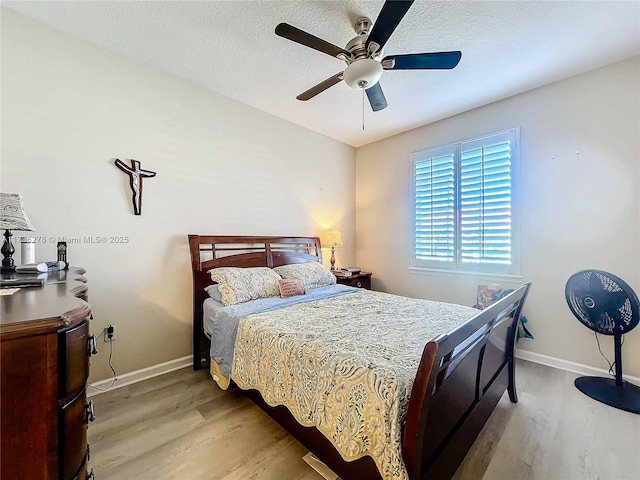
{"x":44,"y":364}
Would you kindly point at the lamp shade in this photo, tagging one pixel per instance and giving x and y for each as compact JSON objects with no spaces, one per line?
{"x":12,"y":214}
{"x":363,"y":73}
{"x":331,"y":238}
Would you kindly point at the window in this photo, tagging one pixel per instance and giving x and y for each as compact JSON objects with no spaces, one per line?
{"x":464,"y":205}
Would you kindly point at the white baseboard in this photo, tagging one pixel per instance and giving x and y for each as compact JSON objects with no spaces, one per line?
{"x":578,"y":368}
{"x":140,"y":375}
{"x":173,"y":365}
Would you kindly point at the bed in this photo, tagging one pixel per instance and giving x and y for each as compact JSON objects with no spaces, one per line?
{"x":460,"y":373}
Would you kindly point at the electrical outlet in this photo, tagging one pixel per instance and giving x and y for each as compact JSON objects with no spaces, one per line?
{"x":109,"y":333}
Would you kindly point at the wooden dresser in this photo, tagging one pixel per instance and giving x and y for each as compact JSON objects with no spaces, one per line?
{"x":44,"y":354}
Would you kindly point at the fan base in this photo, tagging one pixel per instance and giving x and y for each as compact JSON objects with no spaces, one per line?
{"x":625,"y":397}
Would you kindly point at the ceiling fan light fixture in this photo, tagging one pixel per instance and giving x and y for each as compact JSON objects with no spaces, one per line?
{"x":364,"y":54}
{"x":363,"y":73}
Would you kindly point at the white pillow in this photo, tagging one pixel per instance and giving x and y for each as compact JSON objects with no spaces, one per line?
{"x":311,"y":274}
{"x":214,"y":292}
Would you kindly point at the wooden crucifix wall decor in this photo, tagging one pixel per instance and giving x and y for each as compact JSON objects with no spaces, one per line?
{"x":136,"y":174}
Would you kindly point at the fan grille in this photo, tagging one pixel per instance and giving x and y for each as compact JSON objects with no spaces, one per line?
{"x":602,"y":302}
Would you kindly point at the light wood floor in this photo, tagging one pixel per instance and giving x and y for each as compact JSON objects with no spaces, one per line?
{"x":182,"y":426}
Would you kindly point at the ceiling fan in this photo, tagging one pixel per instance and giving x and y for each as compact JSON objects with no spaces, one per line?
{"x":363,"y":54}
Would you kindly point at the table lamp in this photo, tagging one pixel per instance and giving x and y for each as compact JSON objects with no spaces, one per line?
{"x":12,"y":217}
{"x":331,"y":238}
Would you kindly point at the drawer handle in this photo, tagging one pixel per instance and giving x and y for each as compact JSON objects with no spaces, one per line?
{"x":90,"y":475}
{"x":359,"y":284}
{"x":88,"y":452}
{"x":92,"y":347}
{"x":89,"y":409}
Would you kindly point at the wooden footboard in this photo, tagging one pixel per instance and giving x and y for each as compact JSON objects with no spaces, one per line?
{"x":461,"y":376}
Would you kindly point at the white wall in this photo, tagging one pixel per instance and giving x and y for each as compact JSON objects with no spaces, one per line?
{"x":70,"y":107}
{"x":580,"y":206}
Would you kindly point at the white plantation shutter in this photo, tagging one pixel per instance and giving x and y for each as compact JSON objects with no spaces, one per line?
{"x":463,"y":209}
{"x":435,"y":206}
{"x":485,"y":201}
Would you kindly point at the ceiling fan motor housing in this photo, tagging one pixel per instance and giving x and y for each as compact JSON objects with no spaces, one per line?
{"x":357,"y":46}
{"x":363,"y":70}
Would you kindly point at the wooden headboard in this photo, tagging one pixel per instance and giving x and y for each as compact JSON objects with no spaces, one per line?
{"x":211,"y":251}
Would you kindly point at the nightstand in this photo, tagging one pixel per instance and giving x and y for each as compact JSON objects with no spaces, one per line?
{"x":360,"y":280}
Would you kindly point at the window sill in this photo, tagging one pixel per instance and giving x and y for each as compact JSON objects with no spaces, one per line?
{"x":460,"y":273}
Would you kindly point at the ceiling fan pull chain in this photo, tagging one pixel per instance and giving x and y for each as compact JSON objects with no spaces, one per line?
{"x":363,"y":109}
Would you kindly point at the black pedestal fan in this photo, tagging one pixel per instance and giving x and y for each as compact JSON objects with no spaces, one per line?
{"x":606,"y":304}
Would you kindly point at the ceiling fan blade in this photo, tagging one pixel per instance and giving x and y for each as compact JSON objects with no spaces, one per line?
{"x":376,"y":98}
{"x":321,"y":87}
{"x":418,"y":61}
{"x":388,"y":19}
{"x":303,"y":38}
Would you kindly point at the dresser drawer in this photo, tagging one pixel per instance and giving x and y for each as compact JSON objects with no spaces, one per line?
{"x":73,"y":436}
{"x":74,"y":359}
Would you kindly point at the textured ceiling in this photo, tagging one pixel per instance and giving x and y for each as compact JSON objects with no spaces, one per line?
{"x":231,"y":48}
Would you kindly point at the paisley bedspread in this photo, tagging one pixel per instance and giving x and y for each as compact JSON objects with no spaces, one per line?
{"x":345,"y":365}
